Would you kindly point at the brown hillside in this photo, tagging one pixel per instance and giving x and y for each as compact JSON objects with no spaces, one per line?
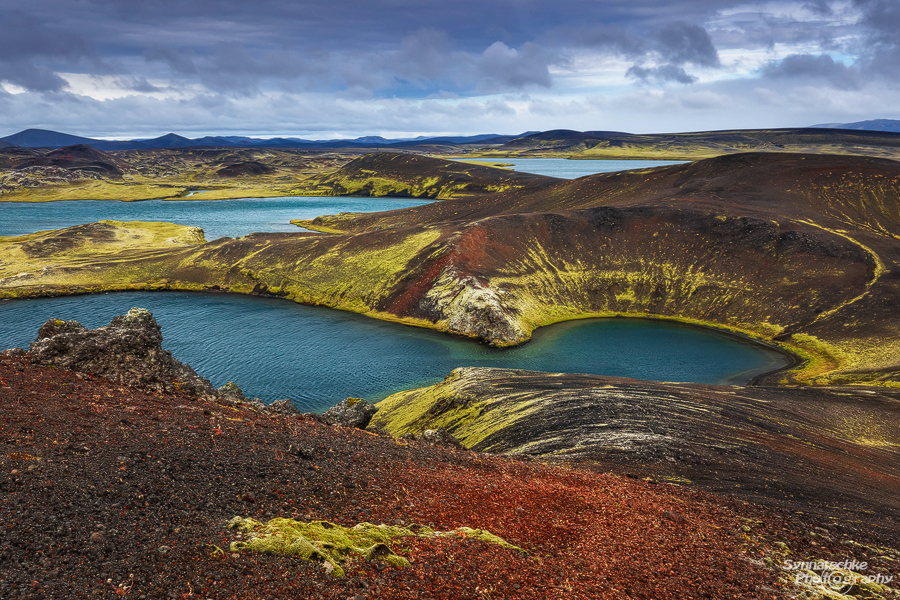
{"x":80,"y":157}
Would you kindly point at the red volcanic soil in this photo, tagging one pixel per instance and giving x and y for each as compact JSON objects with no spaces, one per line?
{"x":106,"y":491}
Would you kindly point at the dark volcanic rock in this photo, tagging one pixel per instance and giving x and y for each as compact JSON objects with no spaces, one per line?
{"x":285,"y":407}
{"x":79,"y":157}
{"x":350,"y":412}
{"x":437,"y":437}
{"x":57,"y":326}
{"x":128,"y":350}
{"x":231,"y":391}
{"x":799,"y":448}
{"x":440,"y":437}
{"x":242,"y":169}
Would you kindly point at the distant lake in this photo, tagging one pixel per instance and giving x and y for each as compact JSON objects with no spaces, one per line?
{"x":239,"y":217}
{"x":565,"y":168}
{"x":218,"y":218}
{"x":274,"y":348}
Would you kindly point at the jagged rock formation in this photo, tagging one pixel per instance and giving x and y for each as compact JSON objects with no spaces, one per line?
{"x":285,"y":406}
{"x":128,"y":350}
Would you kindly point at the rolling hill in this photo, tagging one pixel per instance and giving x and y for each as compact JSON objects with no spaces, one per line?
{"x":870,"y":125}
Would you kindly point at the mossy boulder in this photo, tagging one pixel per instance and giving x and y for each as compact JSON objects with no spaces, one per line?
{"x":320,"y":541}
{"x":231,"y":391}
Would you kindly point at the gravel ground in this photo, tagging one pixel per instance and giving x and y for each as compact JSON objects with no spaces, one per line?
{"x":107,"y":492}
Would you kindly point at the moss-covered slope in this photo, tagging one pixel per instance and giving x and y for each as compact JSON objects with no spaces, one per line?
{"x":415,"y":176}
{"x":700,"y":144}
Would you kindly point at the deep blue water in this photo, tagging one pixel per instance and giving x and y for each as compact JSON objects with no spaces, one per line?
{"x":573,"y":169}
{"x":218,"y":218}
{"x":317,"y":356}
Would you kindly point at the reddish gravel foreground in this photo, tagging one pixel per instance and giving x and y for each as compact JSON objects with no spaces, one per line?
{"x":108,"y":492}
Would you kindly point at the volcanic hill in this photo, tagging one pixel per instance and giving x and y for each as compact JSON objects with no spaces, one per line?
{"x":699,"y":144}
{"x":798,"y":249}
{"x":79,"y":157}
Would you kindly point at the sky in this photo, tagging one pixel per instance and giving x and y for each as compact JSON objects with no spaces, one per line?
{"x":326,"y":69}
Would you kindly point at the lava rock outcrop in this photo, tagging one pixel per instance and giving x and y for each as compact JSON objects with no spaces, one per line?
{"x":128,"y":350}
{"x":350,"y":412}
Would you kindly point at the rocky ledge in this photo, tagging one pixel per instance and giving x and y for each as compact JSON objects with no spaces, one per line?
{"x":128,"y":350}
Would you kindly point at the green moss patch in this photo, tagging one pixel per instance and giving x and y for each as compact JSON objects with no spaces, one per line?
{"x":332,"y":544}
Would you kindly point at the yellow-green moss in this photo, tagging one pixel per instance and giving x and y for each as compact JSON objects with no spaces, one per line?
{"x":332,"y":544}
{"x":446,"y":406}
{"x":311,"y":225}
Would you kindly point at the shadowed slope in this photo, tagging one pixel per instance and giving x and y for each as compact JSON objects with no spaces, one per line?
{"x":833,"y":451}
{"x":79,"y":157}
{"x":855,"y":191}
{"x":410,"y":175}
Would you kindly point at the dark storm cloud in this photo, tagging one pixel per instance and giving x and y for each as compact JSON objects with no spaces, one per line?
{"x":881,"y":19}
{"x":675,"y":45}
{"x":26,"y":42}
{"x":501,"y":67}
{"x":664,"y":73}
{"x":680,"y":43}
{"x":466,"y":46}
{"x":822,"y":7}
{"x":424,"y":58}
{"x":138,"y":84}
{"x":218,"y":64}
{"x":177,"y":61}
{"x":808,"y":66}
{"x":606,"y":37}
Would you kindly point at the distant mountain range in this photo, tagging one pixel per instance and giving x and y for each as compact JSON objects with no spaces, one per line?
{"x":42,"y":138}
{"x":561,"y":140}
{"x":871,"y":125}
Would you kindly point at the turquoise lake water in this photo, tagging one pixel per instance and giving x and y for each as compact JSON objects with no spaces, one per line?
{"x":573,"y":169}
{"x":218,"y":218}
{"x":234,"y":218}
{"x":316,"y":356}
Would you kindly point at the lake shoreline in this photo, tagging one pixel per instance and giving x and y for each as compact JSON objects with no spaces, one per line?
{"x":534,"y":354}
